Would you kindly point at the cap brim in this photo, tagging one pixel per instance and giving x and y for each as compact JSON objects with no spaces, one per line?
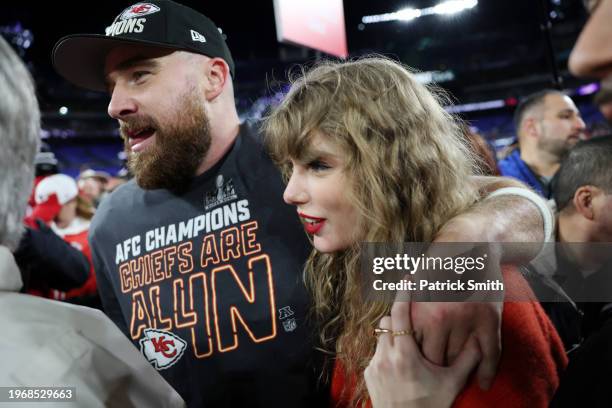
{"x":80,"y":58}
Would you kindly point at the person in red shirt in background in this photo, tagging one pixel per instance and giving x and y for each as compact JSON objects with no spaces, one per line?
{"x":68,"y":215}
{"x":45,"y":260}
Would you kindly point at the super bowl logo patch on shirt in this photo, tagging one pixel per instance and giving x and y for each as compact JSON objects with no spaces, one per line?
{"x":162,"y":348}
{"x":138,"y":10}
{"x":224,"y":193}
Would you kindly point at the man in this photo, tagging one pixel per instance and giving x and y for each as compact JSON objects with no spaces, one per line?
{"x":582,"y":192}
{"x":548,"y":125}
{"x":592,"y":54}
{"x":582,"y":268}
{"x":46,"y":343}
{"x":198,"y":259}
{"x":588,"y":376}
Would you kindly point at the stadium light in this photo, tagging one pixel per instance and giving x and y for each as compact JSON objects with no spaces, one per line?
{"x":409,"y":14}
{"x":454,"y":6}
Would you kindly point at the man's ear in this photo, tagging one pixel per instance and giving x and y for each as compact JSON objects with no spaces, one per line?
{"x":531,"y":127}
{"x":217,"y":74}
{"x":583,"y":201}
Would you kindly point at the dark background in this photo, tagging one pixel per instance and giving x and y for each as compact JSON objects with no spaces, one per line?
{"x":496,"y":50}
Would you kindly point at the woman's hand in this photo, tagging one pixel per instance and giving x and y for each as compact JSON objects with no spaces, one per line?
{"x":399,"y":376}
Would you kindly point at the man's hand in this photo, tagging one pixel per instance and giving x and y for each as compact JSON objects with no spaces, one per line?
{"x":399,"y":376}
{"x":444,"y":328}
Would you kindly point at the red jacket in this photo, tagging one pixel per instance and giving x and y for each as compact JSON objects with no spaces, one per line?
{"x":531,"y":362}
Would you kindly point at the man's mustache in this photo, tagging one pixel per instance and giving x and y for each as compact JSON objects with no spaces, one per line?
{"x":127,"y":127}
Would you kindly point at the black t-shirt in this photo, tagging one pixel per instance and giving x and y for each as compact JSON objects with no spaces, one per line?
{"x":208,"y":284}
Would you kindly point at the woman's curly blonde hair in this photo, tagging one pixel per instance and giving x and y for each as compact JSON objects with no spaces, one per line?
{"x":408,"y":165}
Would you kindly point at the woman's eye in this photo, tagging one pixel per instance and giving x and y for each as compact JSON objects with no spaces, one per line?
{"x":318,"y":165}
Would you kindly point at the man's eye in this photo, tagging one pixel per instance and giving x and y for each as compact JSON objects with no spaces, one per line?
{"x":139,"y":74}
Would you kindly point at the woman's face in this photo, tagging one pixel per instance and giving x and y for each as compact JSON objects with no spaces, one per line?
{"x":319,"y":188}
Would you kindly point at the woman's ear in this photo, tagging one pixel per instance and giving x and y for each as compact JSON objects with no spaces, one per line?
{"x":217,"y":74}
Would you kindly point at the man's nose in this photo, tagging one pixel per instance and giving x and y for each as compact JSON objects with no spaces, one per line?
{"x":122,"y":104}
{"x":579,"y":123}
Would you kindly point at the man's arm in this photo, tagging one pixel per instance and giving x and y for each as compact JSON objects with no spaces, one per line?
{"x":444,"y":328}
{"x":51,"y":260}
{"x":500,"y":219}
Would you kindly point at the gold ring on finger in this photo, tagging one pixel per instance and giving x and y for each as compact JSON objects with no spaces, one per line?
{"x":408,"y":332}
{"x":378,"y":331}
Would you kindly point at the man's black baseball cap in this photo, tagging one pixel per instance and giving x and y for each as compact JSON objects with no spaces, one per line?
{"x":80,"y":58}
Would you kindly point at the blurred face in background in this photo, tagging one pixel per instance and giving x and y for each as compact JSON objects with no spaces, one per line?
{"x":67,"y":213}
{"x":91,"y":187}
{"x":606,"y":111}
{"x":560,"y":125}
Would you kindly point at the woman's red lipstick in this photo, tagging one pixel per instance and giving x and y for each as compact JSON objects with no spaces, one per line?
{"x":312,"y":225}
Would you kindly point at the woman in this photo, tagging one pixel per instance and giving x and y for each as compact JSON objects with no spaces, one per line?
{"x":371,"y":156}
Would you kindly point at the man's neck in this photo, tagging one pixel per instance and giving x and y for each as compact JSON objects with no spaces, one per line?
{"x":222,"y":141}
{"x":542,"y":163}
{"x":577,"y":236}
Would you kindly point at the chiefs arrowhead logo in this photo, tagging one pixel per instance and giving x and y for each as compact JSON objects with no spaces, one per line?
{"x":138,"y":10}
{"x":162,"y":348}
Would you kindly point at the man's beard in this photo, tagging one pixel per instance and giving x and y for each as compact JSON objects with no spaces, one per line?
{"x":172,"y":160}
{"x":556,"y":146}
